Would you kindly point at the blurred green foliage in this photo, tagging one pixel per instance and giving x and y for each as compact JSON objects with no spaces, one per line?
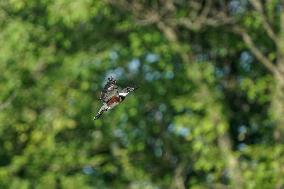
{"x":202,"y":117}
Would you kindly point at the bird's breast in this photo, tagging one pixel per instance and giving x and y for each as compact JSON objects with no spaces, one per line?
{"x":115,"y":100}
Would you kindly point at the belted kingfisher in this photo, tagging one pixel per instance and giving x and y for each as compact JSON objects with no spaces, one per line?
{"x":111,"y":96}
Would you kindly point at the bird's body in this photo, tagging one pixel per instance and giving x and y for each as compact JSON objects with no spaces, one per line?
{"x":111,"y":96}
{"x":114,"y":101}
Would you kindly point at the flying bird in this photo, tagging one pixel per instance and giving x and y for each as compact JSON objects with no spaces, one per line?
{"x":111,"y":96}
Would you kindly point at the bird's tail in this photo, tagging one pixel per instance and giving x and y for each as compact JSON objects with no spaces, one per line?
{"x":101,"y":111}
{"x":98,"y":116}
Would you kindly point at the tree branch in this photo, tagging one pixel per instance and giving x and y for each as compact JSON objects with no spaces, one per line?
{"x":255,"y":50}
{"x":178,"y":180}
{"x":280,"y":61}
{"x":8,"y":101}
{"x":269,"y":30}
{"x":232,"y":162}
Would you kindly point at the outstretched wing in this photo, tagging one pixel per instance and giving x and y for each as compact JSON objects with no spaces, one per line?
{"x":109,"y":90}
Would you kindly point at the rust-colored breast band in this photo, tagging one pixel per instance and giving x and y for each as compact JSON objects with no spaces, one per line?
{"x":114,"y":99}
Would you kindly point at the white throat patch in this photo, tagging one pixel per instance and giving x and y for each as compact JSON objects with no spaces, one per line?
{"x":123,"y":94}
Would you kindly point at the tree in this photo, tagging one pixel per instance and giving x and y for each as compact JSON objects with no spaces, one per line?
{"x":208,"y":112}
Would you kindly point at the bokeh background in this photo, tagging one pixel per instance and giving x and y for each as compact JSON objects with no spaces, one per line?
{"x":209,"y":112}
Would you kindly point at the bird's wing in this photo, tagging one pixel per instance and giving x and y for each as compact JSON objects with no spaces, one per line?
{"x":109,"y":90}
{"x":101,"y":111}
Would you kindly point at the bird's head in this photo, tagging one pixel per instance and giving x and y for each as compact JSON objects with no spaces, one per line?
{"x":124,"y":92}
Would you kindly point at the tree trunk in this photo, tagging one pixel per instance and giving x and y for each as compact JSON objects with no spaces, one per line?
{"x":278,"y":107}
{"x":231,"y":161}
{"x":278,"y":100}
